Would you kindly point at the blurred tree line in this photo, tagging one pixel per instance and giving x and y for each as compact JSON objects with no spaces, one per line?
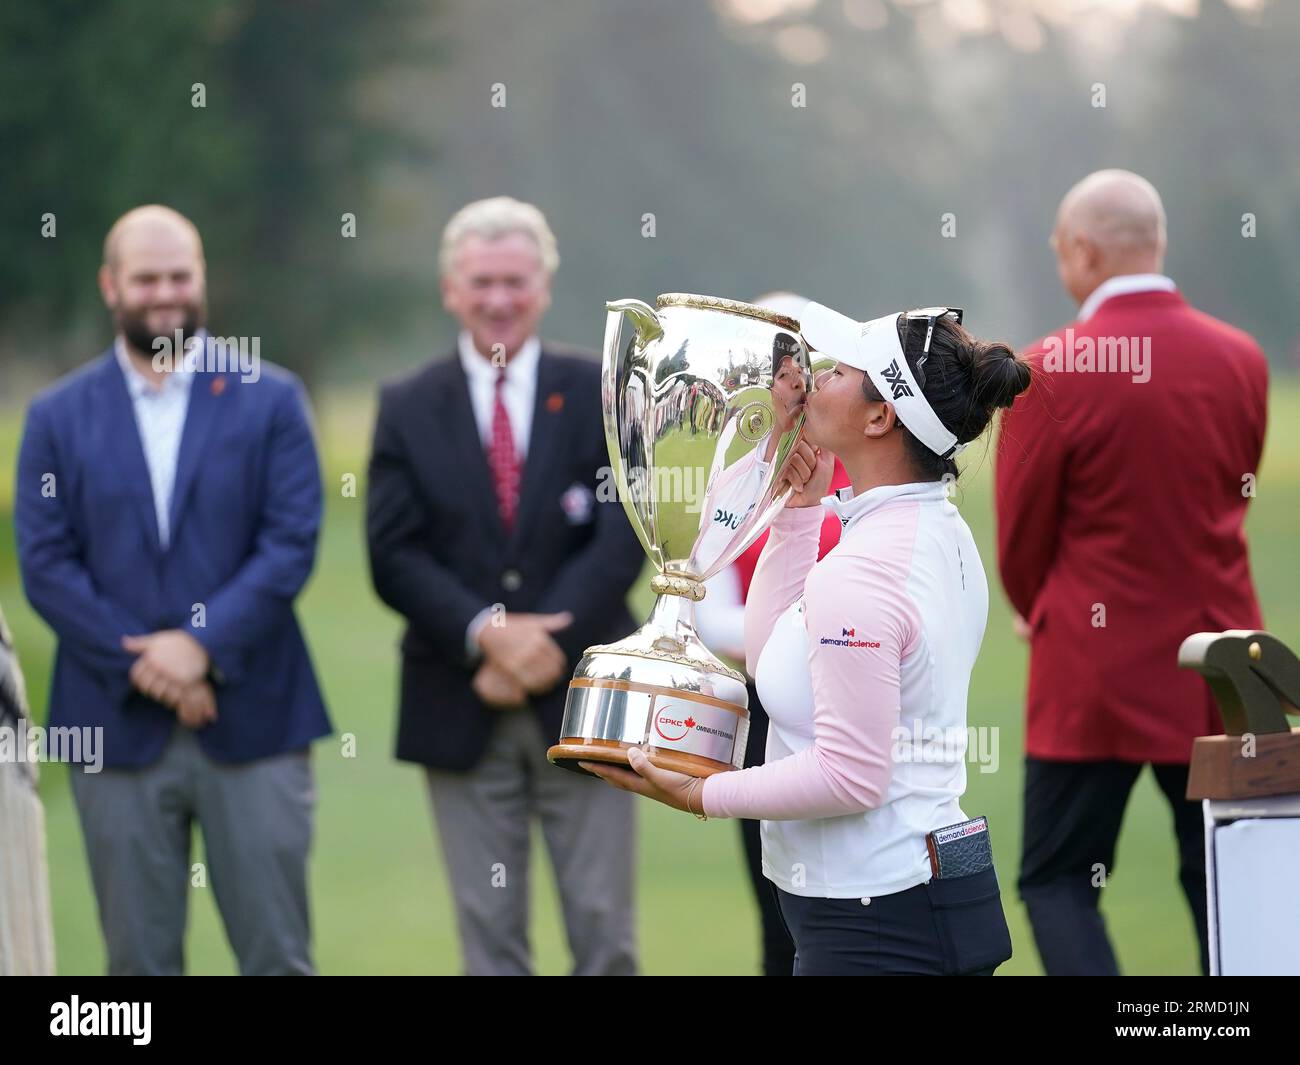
{"x":666,"y":142}
{"x":248,"y":116}
{"x":835,"y":175}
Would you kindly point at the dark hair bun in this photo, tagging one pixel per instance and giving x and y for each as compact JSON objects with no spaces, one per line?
{"x":998,"y":374}
{"x":965,"y":381}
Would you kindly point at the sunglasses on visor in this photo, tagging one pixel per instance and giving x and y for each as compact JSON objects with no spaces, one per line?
{"x":930,"y":315}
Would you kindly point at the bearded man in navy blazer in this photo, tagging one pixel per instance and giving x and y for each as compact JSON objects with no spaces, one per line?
{"x":167,"y":508}
{"x":489,"y":534}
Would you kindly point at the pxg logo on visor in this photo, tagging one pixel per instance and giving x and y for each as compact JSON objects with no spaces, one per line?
{"x":874,"y":348}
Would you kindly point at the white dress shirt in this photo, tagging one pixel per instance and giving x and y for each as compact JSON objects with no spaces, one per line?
{"x":518,"y":394}
{"x":160,"y":411}
{"x":1123,"y":285}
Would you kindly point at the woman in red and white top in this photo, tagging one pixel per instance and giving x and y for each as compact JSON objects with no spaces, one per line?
{"x":863,"y":659}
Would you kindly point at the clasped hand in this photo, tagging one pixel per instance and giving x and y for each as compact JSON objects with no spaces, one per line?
{"x":520,"y":658}
{"x":172,"y":668}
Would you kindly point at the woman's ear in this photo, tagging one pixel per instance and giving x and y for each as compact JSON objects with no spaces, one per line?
{"x":880,"y":420}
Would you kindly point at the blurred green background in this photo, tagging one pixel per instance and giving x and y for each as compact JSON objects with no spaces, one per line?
{"x":869,"y":153}
{"x":379,"y":892}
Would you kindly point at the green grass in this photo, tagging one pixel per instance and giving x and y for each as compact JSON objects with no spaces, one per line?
{"x":379,"y":892}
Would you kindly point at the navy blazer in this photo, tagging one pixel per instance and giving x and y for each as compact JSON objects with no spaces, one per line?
{"x":244,"y":519}
{"x":439,"y":553}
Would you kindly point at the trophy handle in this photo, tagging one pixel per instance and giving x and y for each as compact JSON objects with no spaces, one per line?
{"x":613,"y":385}
{"x":644,"y":320}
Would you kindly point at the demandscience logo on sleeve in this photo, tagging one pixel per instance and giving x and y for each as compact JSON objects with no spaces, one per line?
{"x":847,"y":638}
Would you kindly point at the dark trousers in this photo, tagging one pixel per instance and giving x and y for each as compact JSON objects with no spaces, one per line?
{"x":952,"y":927}
{"x":1072,"y":816}
{"x":778,"y":950}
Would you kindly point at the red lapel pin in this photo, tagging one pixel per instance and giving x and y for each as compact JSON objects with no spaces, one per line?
{"x":555,"y":402}
{"x":218,"y":385}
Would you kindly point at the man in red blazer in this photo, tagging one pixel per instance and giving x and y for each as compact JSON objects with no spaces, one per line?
{"x":1123,"y":477}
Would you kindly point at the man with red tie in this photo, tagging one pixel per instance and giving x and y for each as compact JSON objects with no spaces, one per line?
{"x":1123,"y":477}
{"x":487,"y":534}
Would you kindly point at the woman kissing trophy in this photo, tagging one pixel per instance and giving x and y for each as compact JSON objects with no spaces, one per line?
{"x":702,"y":407}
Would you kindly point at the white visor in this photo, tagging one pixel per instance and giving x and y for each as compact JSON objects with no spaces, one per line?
{"x":873,"y":347}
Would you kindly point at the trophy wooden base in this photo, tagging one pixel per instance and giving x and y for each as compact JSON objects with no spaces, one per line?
{"x":677,"y":703}
{"x":1222,"y":768}
{"x":571,"y":749}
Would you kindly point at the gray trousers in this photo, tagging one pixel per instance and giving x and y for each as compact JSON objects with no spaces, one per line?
{"x":484,"y":818}
{"x":256,"y":819}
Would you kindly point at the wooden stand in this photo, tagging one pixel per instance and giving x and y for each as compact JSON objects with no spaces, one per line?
{"x":1237,"y":767}
{"x":1256,"y":681}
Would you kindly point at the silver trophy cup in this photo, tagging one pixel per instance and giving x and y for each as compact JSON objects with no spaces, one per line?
{"x":702,"y":408}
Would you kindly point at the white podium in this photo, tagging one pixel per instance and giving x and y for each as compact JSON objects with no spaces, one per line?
{"x":1252,"y":863}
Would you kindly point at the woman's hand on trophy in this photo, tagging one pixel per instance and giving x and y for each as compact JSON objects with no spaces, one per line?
{"x":808,"y":470}
{"x":646,"y":778}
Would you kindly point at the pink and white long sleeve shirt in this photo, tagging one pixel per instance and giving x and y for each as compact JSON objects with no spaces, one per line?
{"x":863,"y":663}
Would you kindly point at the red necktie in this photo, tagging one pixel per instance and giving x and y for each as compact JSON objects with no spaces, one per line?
{"x":503,"y":460}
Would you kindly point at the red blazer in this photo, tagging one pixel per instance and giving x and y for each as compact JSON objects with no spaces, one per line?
{"x":1130,"y":498}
